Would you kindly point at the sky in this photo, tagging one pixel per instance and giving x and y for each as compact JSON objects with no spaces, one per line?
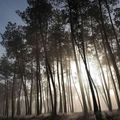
{"x":7,"y":13}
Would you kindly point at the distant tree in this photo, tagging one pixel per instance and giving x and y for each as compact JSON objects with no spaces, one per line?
{"x":6,"y":73}
{"x":13,"y":40}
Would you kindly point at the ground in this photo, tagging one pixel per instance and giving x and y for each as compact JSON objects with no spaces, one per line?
{"x":115,"y":115}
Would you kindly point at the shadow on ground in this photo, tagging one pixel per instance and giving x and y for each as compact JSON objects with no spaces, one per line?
{"x":115,"y":115}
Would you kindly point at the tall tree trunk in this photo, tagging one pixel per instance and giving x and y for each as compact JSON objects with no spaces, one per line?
{"x":105,"y":84}
{"x":40,"y":90}
{"x":54,"y":111}
{"x":113,"y":28}
{"x":108,"y":62}
{"x":18,"y":101}
{"x":31,"y":89}
{"x":71,"y":92}
{"x":76,"y":62}
{"x":13,"y":98}
{"x":60,"y":95}
{"x":37,"y":75}
{"x":111,"y":55}
{"x":63,"y":86}
{"x":50,"y":75}
{"x":6,"y":99}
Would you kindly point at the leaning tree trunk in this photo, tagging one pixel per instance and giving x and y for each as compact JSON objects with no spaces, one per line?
{"x":113,"y":28}
{"x":111,"y":55}
{"x":49,"y":72}
{"x":76,"y":61}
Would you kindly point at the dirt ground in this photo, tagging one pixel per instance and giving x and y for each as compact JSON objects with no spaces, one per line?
{"x":115,"y":115}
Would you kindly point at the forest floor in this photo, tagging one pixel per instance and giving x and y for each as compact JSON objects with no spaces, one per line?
{"x":115,"y":115}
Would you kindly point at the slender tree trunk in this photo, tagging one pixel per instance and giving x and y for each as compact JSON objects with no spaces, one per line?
{"x":26,"y":95}
{"x":63,"y":86}
{"x":60,"y":95}
{"x":54,"y":111}
{"x":37,"y":75}
{"x":13,"y":98}
{"x":6,"y":100}
{"x":76,"y":62}
{"x":115,"y":34}
{"x":108,"y":47}
{"x":106,"y":87}
{"x":18,"y":101}
{"x":78,"y":94}
{"x":71,"y":92}
{"x":40,"y":90}
{"x":112,"y":78}
{"x":50,"y":91}
{"x":31,"y":89}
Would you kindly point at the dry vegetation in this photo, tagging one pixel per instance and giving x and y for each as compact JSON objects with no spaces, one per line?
{"x":114,"y":115}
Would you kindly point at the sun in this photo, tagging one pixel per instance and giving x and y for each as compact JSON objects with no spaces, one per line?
{"x":93,"y":69}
